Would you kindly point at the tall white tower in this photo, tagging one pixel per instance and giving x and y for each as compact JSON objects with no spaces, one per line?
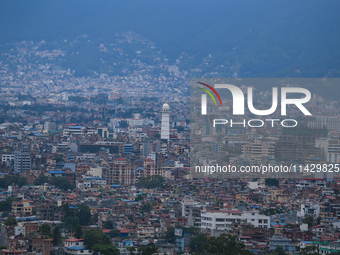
{"x":165,"y":129}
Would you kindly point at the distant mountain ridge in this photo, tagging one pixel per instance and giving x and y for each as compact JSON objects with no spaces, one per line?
{"x":243,"y":38}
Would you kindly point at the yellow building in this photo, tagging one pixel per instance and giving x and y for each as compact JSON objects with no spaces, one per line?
{"x":22,"y":208}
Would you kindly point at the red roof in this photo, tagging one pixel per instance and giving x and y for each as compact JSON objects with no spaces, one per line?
{"x":73,"y":240}
{"x":313,"y":179}
{"x":119,"y":159}
{"x":125,"y":231}
{"x":318,"y":226}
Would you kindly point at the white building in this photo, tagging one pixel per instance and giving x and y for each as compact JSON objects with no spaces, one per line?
{"x":165,"y":128}
{"x":96,"y":172}
{"x":74,"y":130}
{"x":223,"y":219}
{"x":8,"y":159}
{"x":329,"y":122}
{"x":187,"y":204}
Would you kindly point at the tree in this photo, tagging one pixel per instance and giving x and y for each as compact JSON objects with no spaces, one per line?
{"x":147,"y":207}
{"x":41,"y":179}
{"x":79,"y":232}
{"x":225,"y":245}
{"x":139,"y":198}
{"x":95,"y":236}
{"x":280,"y":251}
{"x":151,"y":182}
{"x":130,"y":217}
{"x":105,"y":249}
{"x":84,"y":215}
{"x":197,"y":242}
{"x":45,"y":229}
{"x":114,"y":233}
{"x":61,"y":183}
{"x":311,"y":250}
{"x":108,"y":224}
{"x":56,"y":236}
{"x":308,"y":220}
{"x":170,"y":235}
{"x":10,"y":221}
{"x":272,"y":182}
{"x":77,"y":215}
{"x":7,"y":204}
{"x":150,"y":249}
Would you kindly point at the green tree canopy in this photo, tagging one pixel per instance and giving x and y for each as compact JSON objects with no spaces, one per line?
{"x":40,"y":180}
{"x":114,"y":233}
{"x":7,"y":204}
{"x":225,"y":245}
{"x":151,"y":182}
{"x":108,"y":224}
{"x":10,"y":221}
{"x":279,"y":251}
{"x":57,"y":240}
{"x":272,"y":182}
{"x":16,"y":179}
{"x":197,"y":242}
{"x":150,"y":249}
{"x":79,"y":232}
{"x":105,"y":249}
{"x":95,"y":236}
{"x":45,"y":229}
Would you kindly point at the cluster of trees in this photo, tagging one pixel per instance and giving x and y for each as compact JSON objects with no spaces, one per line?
{"x":6,"y":205}
{"x":77,"y":215}
{"x":60,"y":182}
{"x":149,"y":249}
{"x":272,"y":182}
{"x":16,"y":179}
{"x":55,"y":233}
{"x":96,"y":240}
{"x":311,"y":221}
{"x":221,"y":245}
{"x":151,"y":182}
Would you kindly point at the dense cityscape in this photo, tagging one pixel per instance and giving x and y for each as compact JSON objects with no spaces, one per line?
{"x":107,"y":146}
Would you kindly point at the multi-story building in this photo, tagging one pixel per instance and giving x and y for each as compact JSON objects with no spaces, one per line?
{"x":329,"y":122}
{"x":223,"y":219}
{"x":258,"y":149}
{"x":48,"y":211}
{"x":120,"y":172}
{"x":297,"y":144}
{"x":49,"y":125}
{"x":150,"y":168}
{"x":22,"y":208}
{"x":74,"y":130}
{"x":22,"y":161}
{"x":286,"y":243}
{"x":39,"y":244}
{"x":8,"y":159}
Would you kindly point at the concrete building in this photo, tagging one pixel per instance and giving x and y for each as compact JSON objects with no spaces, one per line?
{"x":22,"y":161}
{"x":223,"y":219}
{"x":120,"y":172}
{"x":165,"y":129}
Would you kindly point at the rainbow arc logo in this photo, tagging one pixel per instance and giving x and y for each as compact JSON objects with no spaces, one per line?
{"x":209,"y":93}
